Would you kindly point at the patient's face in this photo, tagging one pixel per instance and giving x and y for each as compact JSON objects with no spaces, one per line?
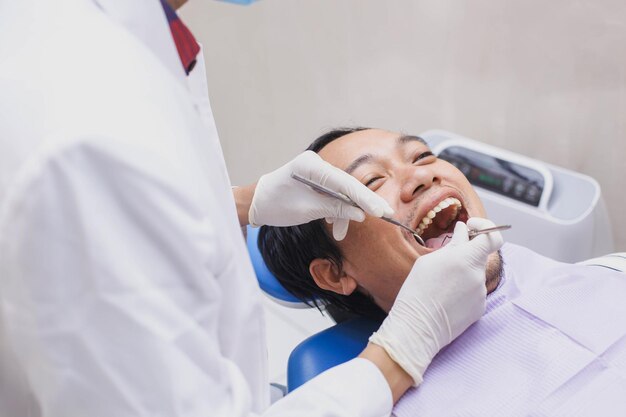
{"x":377,"y":254}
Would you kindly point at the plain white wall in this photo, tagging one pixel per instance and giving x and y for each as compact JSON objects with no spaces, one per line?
{"x":543,"y":78}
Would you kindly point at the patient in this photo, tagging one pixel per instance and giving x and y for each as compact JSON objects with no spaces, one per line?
{"x":553,"y":337}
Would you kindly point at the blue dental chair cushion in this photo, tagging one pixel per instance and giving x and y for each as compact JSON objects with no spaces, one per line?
{"x":333,"y":346}
{"x":267,"y":281}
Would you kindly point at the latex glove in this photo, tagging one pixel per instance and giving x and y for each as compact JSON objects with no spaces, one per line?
{"x":279,"y":200}
{"x":442,"y":296}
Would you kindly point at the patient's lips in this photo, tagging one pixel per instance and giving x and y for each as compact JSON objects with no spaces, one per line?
{"x":437,"y":226}
{"x":433,"y":215}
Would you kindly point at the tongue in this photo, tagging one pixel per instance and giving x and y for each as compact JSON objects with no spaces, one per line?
{"x":438,"y":242}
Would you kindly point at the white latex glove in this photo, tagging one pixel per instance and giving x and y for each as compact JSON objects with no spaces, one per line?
{"x":442,"y":296}
{"x":279,"y":200}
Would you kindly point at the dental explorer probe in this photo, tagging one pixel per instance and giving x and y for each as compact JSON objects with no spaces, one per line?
{"x":473,"y":232}
{"x":339,"y":196}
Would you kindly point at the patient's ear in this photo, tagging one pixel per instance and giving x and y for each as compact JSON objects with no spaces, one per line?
{"x":328,"y":276}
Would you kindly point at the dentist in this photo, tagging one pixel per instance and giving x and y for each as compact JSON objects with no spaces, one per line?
{"x":125,"y":286}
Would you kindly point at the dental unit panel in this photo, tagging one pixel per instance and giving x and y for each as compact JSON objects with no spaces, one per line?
{"x":540,"y":200}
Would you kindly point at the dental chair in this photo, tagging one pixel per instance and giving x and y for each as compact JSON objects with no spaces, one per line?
{"x":346,"y":339}
{"x":323,"y":350}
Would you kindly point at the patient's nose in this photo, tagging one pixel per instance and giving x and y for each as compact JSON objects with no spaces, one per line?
{"x":417,"y":179}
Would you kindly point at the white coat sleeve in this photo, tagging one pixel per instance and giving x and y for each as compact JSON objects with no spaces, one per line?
{"x":355,"y":388}
{"x":103,"y":266}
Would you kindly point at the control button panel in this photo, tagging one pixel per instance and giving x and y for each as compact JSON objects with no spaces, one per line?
{"x":506,"y":178}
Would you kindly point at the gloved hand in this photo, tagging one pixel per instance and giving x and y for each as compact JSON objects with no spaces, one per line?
{"x":279,"y":200}
{"x":442,"y":296}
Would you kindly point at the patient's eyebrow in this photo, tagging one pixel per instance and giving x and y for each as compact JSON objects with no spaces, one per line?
{"x":369,"y":158}
{"x":363,"y":159}
{"x":409,"y":138}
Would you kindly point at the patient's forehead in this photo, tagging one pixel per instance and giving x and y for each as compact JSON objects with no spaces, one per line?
{"x":343,"y":151}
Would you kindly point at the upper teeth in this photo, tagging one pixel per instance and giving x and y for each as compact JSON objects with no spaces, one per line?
{"x":444,"y":204}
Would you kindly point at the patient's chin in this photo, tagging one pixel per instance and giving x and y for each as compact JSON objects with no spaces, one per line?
{"x":494,"y":271}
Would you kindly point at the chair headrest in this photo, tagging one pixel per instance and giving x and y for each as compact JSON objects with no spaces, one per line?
{"x":267,"y":281}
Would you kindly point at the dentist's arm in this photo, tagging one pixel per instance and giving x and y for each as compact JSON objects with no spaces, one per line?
{"x":243,"y":199}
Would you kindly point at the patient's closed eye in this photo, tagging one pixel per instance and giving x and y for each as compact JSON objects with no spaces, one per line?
{"x":372,"y":181}
{"x":424,"y":155}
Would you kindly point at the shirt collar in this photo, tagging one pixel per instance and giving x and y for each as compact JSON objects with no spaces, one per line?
{"x":146,"y":20}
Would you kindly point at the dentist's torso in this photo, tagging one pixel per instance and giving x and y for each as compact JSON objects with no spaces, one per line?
{"x":115,"y":207}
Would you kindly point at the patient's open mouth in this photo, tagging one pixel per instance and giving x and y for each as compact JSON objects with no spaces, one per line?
{"x":436,"y":227}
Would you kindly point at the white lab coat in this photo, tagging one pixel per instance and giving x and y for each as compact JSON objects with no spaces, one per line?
{"x":125,"y":286}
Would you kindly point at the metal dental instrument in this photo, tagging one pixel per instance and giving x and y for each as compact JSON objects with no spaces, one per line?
{"x":473,"y":233}
{"x":320,"y":188}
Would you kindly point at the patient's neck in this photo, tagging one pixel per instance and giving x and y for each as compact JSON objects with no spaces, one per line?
{"x":494,"y":271}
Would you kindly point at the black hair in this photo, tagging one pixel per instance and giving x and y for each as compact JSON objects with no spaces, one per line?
{"x":288,"y":252}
